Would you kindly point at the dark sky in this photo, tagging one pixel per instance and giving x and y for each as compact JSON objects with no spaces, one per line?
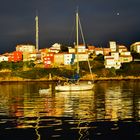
{"x":102,"y":21}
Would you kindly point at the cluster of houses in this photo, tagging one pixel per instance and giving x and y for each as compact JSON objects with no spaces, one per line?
{"x":114,"y":55}
{"x":119,"y":54}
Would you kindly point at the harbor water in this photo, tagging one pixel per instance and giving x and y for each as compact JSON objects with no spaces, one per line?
{"x":110,"y":111}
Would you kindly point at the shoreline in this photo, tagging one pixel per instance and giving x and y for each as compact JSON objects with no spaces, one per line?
{"x":118,"y":78}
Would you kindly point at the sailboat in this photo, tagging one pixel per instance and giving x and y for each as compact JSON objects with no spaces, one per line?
{"x":78,"y":86}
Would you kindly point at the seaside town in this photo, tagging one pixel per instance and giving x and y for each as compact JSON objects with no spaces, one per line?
{"x":59,"y":55}
{"x":64,"y":57}
{"x":61,"y":81}
{"x":54,"y":56}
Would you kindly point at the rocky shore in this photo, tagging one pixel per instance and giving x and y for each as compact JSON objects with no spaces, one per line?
{"x":86,"y":78}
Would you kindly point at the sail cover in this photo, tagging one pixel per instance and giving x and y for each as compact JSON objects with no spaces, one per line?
{"x":76,"y":76}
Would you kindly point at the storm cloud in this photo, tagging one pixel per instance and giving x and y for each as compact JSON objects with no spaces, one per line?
{"x":102,"y":21}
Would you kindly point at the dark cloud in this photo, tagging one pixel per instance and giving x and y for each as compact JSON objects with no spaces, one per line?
{"x":99,"y":19}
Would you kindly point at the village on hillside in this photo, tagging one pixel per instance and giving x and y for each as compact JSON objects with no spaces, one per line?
{"x":54,"y":56}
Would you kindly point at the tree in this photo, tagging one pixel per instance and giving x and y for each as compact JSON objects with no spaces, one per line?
{"x":5,"y":65}
{"x":99,"y":57}
{"x":135,"y":55}
{"x":132,"y":68}
{"x":64,"y":48}
{"x":29,"y":64}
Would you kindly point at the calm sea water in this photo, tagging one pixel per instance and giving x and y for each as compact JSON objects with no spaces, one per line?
{"x":110,"y":111}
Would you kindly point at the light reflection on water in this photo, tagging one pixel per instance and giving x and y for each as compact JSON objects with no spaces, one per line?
{"x":21,"y":106}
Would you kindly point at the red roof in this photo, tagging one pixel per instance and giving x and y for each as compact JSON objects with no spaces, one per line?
{"x":125,"y":56}
{"x":98,"y":49}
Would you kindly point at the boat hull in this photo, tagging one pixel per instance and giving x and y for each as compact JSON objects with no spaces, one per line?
{"x":44,"y":91}
{"x":72,"y":87}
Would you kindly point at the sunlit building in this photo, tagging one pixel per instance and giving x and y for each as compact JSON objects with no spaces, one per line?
{"x":58,"y":59}
{"x":48,"y":60}
{"x":115,"y":55}
{"x":3,"y":58}
{"x":106,"y":51}
{"x":26,"y":48}
{"x":71,"y":50}
{"x":110,"y":62}
{"x":55,"y":48}
{"x":99,"y":51}
{"x":81,"y":57}
{"x":29,"y":56}
{"x":122,"y":48}
{"x":113,"y":46}
{"x":69,"y":58}
{"x":15,"y":56}
{"x":119,"y":54}
{"x":81,"y":48}
{"x":135,"y":47}
{"x":125,"y":58}
{"x":91,"y":49}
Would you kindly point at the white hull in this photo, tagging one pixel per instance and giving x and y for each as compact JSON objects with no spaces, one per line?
{"x":74,"y":87}
{"x":44,"y":91}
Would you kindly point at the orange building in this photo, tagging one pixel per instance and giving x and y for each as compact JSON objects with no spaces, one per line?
{"x":48,"y":60}
{"x":15,"y":56}
{"x":106,"y":51}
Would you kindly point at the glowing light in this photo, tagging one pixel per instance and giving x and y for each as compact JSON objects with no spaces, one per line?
{"x":118,"y":14}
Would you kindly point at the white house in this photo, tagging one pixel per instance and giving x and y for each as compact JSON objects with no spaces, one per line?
{"x":71,"y":50}
{"x":99,"y":51}
{"x":113,"y":46}
{"x":125,"y":53}
{"x":125,"y":58}
{"x":81,"y":57}
{"x":3,"y":58}
{"x":55,"y":48}
{"x":69,"y":58}
{"x":135,"y":47}
{"x":111,"y":62}
{"x":58,"y":59}
{"x":122,"y":48}
{"x":29,"y":56}
{"x":25,"y":48}
{"x":81,"y":48}
{"x":115,"y":55}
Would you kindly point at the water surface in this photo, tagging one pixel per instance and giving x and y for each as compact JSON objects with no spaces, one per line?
{"x":110,"y":111}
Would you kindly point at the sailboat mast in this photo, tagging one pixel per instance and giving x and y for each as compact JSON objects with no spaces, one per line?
{"x":37,"y":30}
{"x":77,"y":40}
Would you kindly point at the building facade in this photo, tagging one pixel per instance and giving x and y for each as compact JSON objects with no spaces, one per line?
{"x":15,"y":56}
{"x":25,"y":48}
{"x":135,"y":47}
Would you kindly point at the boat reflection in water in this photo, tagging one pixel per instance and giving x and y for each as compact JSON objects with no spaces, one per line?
{"x":74,"y":105}
{"x":110,"y":110}
{"x":58,"y":110}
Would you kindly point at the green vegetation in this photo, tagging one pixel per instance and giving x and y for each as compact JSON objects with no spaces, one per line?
{"x":135,"y":55}
{"x":129,"y":69}
{"x":29,"y":70}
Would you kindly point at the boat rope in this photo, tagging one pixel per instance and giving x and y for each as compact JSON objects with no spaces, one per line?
{"x":82,"y":32}
{"x":85,"y":45}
